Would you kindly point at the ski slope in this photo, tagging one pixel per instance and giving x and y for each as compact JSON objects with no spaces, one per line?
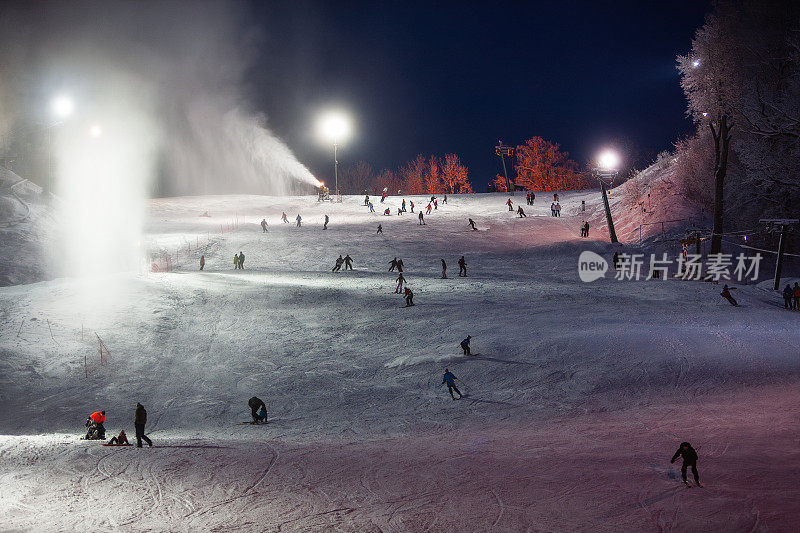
{"x":577,"y":398}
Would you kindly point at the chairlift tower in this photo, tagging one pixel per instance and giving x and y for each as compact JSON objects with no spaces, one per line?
{"x":783,"y":225}
{"x":602,"y":175}
{"x":502,"y":151}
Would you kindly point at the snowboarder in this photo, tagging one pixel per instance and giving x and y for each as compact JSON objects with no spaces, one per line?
{"x":399,"y":265}
{"x":411,"y":203}
{"x":284,"y":218}
{"x":235,"y":261}
{"x":348,"y":262}
{"x":521,"y":212}
{"x":449,"y":379}
{"x":338,"y":265}
{"x":510,"y":205}
{"x":299,"y":219}
{"x":421,"y":219}
{"x":202,"y":262}
{"x":465,"y":345}
{"x":689,"y":456}
{"x":444,"y":270}
{"x":264,"y":225}
{"x":787,"y":297}
{"x":256,"y":404}
{"x":325,"y":225}
{"x":371,"y":208}
{"x":380,"y":229}
{"x":462,"y":267}
{"x":796,"y":302}
{"x":139,"y":421}
{"x":472,"y":224}
{"x":726,"y":293}
{"x":409,"y":297}
{"x":444,"y":199}
{"x":241,"y":259}
{"x":400,"y":280}
{"x":94,"y":424}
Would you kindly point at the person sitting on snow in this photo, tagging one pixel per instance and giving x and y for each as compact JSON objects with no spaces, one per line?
{"x":94,"y":425}
{"x":121,"y":440}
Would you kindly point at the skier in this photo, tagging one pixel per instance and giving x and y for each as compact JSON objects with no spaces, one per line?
{"x":796,"y":296}
{"x":371,"y":208}
{"x":299,"y":219}
{"x":235,"y":261}
{"x":241,"y":259}
{"x":409,"y":297}
{"x":94,"y":425}
{"x":689,"y":456}
{"x":528,"y":198}
{"x":264,"y":225}
{"x":552,"y":209}
{"x":403,"y":206}
{"x":421,"y":219}
{"x":202,"y":261}
{"x":555,"y":197}
{"x":338,"y":265}
{"x":399,"y":211}
{"x":533,"y":198}
{"x":465,"y":345}
{"x":558,"y":209}
{"x":449,"y":379}
{"x":726,"y":293}
{"x":400,"y":280}
{"x":393,"y":264}
{"x":428,"y":209}
{"x":444,"y":199}
{"x":255,"y":404}
{"x":462,"y":267}
{"x":510,"y":205}
{"x":348,"y":262}
{"x":787,"y":297}
{"x":472,"y":223}
{"x":433,"y":198}
{"x":325,"y":226}
{"x":411,"y":203}
{"x":139,"y":421}
{"x":399,"y":265}
{"x":380,"y":229}
{"x":583,"y":206}
{"x":444,"y":270}
{"x":366,"y":200}
{"x":436,"y":204}
{"x":284,"y":218}
{"x":521,"y":212}
{"x":383,"y":197}
{"x":586,"y":229}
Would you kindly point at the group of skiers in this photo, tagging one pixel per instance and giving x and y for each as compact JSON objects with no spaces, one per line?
{"x":585,"y":229}
{"x":462,"y":268}
{"x":238,"y":261}
{"x":530,"y":197}
{"x":97,"y":431}
{"x":791,"y":297}
{"x":555,"y":209}
{"x":347,"y":262}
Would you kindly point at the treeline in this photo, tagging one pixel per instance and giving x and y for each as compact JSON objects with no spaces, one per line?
{"x":422,"y":175}
{"x":540,"y":165}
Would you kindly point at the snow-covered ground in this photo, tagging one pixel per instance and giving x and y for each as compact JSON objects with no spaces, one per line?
{"x":577,"y":398}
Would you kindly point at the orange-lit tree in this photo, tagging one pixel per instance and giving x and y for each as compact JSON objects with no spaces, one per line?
{"x":541,"y":166}
{"x":455,"y":176}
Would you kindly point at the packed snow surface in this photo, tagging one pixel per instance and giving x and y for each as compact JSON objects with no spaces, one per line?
{"x":575,"y":399}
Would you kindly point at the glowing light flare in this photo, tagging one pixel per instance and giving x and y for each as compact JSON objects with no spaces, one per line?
{"x":696,"y":63}
{"x":608,"y":160}
{"x":62,"y":106}
{"x":334,"y":127}
{"x":95,"y":131}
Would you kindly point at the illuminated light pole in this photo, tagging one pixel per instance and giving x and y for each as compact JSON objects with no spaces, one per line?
{"x":62,"y":106}
{"x":334,"y":127}
{"x":608,"y":162}
{"x":502,"y":151}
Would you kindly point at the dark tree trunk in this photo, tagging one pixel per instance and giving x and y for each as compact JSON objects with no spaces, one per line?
{"x":722,"y":139}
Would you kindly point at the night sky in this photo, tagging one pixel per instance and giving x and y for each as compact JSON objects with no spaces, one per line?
{"x":456,"y":77}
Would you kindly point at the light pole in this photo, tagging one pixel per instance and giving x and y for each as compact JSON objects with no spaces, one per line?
{"x":334,"y":127}
{"x":608,"y":163}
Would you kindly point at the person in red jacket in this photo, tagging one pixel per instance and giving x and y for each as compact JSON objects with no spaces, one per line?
{"x":409,"y":297}
{"x":95,"y":429}
{"x":510,"y":205}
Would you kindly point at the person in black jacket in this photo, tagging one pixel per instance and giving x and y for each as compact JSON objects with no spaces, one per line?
{"x":255,"y":404}
{"x":689,"y":460}
{"x":139,"y":420}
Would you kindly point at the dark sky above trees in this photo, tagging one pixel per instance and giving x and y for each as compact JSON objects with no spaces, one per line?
{"x":434,"y":78}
